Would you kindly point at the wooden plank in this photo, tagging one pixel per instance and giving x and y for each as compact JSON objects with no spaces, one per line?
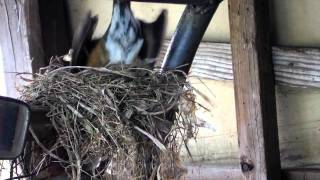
{"x":254,"y":89}
{"x":298,"y":119}
{"x":296,"y":67}
{"x":212,"y":172}
{"x":33,"y":37}
{"x":232,"y":173}
{"x":19,"y":39}
{"x":301,"y":173}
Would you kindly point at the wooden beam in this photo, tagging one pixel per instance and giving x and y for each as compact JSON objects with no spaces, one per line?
{"x":232,"y":173}
{"x":301,"y":173}
{"x":34,"y":34}
{"x":254,"y":89}
{"x":212,"y":172}
{"x":56,"y":28}
{"x":296,"y":67}
{"x":20,"y":41}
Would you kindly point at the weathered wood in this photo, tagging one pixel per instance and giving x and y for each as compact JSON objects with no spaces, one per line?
{"x":297,"y":67}
{"x":212,"y":172}
{"x":301,"y":173}
{"x":20,"y":41}
{"x":33,"y":36}
{"x":232,"y":173}
{"x":254,"y":89}
{"x":298,"y":119}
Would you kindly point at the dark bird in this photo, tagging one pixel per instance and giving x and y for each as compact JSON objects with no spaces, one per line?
{"x":126,"y":41}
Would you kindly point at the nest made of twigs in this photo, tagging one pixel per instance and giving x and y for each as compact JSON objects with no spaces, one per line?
{"x":114,"y":121}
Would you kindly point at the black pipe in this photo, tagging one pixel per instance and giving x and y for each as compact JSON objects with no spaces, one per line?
{"x":190,"y":30}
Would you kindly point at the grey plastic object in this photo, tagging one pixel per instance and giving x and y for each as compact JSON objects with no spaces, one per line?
{"x":14,"y":121}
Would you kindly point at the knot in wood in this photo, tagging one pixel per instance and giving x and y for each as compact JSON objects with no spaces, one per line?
{"x":246,"y":167}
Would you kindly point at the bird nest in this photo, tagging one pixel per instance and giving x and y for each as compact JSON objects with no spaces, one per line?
{"x":115,"y":121}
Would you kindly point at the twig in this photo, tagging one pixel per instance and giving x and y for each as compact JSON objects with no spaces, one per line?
{"x":43,"y":147}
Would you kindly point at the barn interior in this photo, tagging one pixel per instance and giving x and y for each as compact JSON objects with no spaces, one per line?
{"x":279,"y":102}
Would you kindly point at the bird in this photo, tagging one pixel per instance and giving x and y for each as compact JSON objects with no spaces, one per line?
{"x":127,"y":40}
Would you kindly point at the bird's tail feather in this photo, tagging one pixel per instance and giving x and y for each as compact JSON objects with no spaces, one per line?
{"x":153,"y":35}
{"x":81,"y":41}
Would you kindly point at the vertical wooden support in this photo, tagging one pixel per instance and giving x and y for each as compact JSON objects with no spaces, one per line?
{"x":55,"y":26}
{"x":20,"y":41}
{"x":254,"y":89}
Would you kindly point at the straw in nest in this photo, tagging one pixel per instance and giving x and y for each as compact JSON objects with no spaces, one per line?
{"x":115,"y":121}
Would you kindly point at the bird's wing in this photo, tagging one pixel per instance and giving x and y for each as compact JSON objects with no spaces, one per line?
{"x":81,"y":42}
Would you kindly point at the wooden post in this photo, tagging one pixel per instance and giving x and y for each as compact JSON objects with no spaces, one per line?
{"x":55,"y":27}
{"x":20,"y":41}
{"x":254,"y":89}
